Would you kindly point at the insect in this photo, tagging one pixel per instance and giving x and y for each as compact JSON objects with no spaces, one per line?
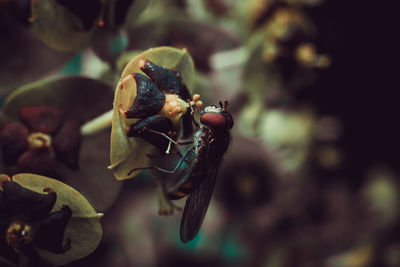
{"x":203,"y":157}
{"x":163,"y":90}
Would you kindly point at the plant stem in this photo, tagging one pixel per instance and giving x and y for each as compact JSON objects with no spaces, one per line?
{"x":97,"y":124}
{"x":229,"y":58}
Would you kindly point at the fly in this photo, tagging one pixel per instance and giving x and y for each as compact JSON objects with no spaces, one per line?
{"x":203,"y":157}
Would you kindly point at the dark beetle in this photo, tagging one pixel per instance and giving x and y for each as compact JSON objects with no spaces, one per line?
{"x":203,"y":158}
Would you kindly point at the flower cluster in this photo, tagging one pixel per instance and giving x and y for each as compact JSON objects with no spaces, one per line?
{"x":44,"y":136}
{"x":27,"y":220}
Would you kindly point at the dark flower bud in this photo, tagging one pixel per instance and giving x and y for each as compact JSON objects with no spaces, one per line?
{"x":43,"y":119}
{"x":14,"y":141}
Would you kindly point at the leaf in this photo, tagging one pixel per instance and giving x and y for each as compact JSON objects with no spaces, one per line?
{"x":128,"y":153}
{"x":57,"y":27}
{"x":84,"y":228}
{"x":24,"y":65}
{"x":80,"y":97}
{"x":126,"y":12}
{"x":258,"y":76}
{"x":200,"y":39}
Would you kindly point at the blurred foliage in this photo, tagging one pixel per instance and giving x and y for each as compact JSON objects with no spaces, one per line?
{"x":309,"y":179}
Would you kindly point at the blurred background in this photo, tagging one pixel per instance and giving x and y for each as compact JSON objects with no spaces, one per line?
{"x":311,"y":176}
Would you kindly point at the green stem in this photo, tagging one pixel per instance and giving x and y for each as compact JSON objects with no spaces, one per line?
{"x":229,"y":58}
{"x":97,"y":124}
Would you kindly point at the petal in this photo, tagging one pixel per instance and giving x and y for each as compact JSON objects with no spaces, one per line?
{"x":44,"y":119}
{"x":67,"y":143}
{"x":149,"y":98}
{"x":37,"y":161}
{"x":27,"y":205}
{"x":51,"y":230}
{"x":156,"y":123}
{"x":14,"y":141}
{"x":166,"y":79}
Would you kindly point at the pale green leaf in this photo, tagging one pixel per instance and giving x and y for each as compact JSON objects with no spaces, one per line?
{"x":84,"y":228}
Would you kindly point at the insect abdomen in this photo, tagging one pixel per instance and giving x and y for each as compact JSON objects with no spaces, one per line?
{"x":181,"y":191}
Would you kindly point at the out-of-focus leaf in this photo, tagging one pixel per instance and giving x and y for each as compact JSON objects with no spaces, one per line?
{"x":6,"y":263}
{"x":272,"y":62}
{"x":258,"y":77}
{"x":84,"y":228}
{"x":126,"y":12}
{"x":128,"y":153}
{"x":24,"y":58}
{"x":360,"y":256}
{"x":290,"y":134}
{"x":93,"y":180}
{"x":200,"y":39}
{"x":58,"y":27}
{"x":109,"y":44}
{"x":382,"y":196}
{"x":88,"y":11}
{"x":82,"y":99}
{"x":247,"y":175}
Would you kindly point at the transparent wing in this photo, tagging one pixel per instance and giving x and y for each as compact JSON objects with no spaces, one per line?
{"x":197,"y":204}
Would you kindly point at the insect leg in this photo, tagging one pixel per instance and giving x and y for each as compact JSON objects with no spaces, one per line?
{"x":164,"y":170}
{"x":187,"y":142}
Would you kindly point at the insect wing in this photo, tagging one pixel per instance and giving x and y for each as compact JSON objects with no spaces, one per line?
{"x":197,"y":204}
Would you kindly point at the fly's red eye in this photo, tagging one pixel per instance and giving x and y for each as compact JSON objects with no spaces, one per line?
{"x":214,"y":120}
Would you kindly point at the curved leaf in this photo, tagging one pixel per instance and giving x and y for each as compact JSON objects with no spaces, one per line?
{"x":80,"y":97}
{"x":84,"y":228}
{"x":128,"y":153}
{"x":126,"y":12}
{"x":24,"y":65}
{"x":200,"y":39}
{"x":57,"y":27}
